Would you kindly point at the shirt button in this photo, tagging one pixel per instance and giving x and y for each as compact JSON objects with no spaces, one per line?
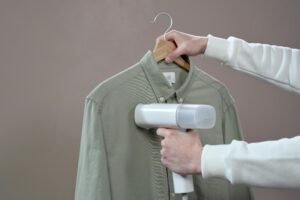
{"x":161,"y":99}
{"x":180,"y":100}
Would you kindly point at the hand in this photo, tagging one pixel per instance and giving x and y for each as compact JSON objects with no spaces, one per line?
{"x":181,"y":152}
{"x":187,"y":44}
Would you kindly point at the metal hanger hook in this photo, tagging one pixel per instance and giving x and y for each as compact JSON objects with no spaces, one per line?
{"x":171,"y":22}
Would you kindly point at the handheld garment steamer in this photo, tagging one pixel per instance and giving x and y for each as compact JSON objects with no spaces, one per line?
{"x":179,"y":116}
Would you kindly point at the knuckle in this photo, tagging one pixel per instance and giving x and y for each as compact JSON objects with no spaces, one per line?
{"x":164,"y":161}
{"x":172,"y":33}
{"x":162,"y":151}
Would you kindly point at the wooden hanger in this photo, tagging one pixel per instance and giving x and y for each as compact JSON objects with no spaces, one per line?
{"x":163,"y":47}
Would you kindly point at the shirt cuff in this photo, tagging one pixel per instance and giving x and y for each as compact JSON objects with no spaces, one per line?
{"x":213,"y":161}
{"x":217,"y":48}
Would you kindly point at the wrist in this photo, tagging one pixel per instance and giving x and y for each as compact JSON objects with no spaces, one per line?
{"x":197,"y":163}
{"x":202,"y":43}
{"x":205,"y":41}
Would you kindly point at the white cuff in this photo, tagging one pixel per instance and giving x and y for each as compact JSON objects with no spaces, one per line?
{"x":213,"y":161}
{"x":217,"y":48}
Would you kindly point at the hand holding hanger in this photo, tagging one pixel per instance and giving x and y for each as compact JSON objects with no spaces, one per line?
{"x":163,"y":47}
{"x":187,"y":44}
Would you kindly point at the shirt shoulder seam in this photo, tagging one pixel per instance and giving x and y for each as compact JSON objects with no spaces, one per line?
{"x":220,"y":90}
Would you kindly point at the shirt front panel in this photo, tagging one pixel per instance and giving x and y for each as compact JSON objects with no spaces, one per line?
{"x":133,"y":153}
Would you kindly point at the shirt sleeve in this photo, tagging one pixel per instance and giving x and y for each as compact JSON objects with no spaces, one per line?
{"x":92,"y":176}
{"x":264,"y":164}
{"x":231,"y":125}
{"x":274,"y":64}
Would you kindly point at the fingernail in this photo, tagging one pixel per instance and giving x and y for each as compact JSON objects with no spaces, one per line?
{"x":168,"y":60}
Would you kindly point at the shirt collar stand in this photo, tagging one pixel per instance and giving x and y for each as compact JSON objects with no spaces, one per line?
{"x":161,"y":87}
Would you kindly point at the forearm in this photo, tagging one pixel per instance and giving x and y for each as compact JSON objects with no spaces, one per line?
{"x":277,"y":65}
{"x":266,"y":164}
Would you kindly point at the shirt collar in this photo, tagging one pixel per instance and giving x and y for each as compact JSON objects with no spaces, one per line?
{"x":161,"y":87}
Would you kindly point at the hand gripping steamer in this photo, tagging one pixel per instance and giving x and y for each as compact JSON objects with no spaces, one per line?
{"x":179,"y":116}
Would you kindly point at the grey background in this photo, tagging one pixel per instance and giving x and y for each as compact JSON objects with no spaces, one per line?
{"x":53,"y":52}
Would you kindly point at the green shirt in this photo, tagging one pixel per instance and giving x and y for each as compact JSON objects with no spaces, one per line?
{"x":120,"y":161}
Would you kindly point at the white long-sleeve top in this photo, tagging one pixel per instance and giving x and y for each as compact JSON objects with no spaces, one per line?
{"x":267,"y":164}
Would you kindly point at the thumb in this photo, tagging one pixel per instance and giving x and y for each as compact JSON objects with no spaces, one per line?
{"x":174,"y":54}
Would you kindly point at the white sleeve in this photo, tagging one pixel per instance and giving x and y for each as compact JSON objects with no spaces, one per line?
{"x":264,"y":164}
{"x":275,"y":64}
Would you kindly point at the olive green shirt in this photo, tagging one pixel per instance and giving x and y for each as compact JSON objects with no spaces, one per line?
{"x":120,"y":161}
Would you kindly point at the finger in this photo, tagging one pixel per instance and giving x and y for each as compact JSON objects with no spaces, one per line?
{"x":174,"y":54}
{"x":171,"y":35}
{"x":163,"y":152}
{"x":163,"y":132}
{"x":163,"y":143}
{"x":160,"y":38}
{"x":160,"y":132}
{"x":164,"y":161}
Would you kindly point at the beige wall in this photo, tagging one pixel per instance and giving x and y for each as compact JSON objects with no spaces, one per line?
{"x":53,"y":52}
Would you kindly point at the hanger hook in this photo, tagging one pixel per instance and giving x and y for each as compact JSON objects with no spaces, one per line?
{"x":171,"y":22}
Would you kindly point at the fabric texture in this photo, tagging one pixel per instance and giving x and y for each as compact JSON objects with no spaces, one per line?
{"x":120,"y":161}
{"x":267,"y":164}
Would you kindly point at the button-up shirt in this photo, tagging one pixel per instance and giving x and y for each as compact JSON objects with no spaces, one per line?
{"x":120,"y":161}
